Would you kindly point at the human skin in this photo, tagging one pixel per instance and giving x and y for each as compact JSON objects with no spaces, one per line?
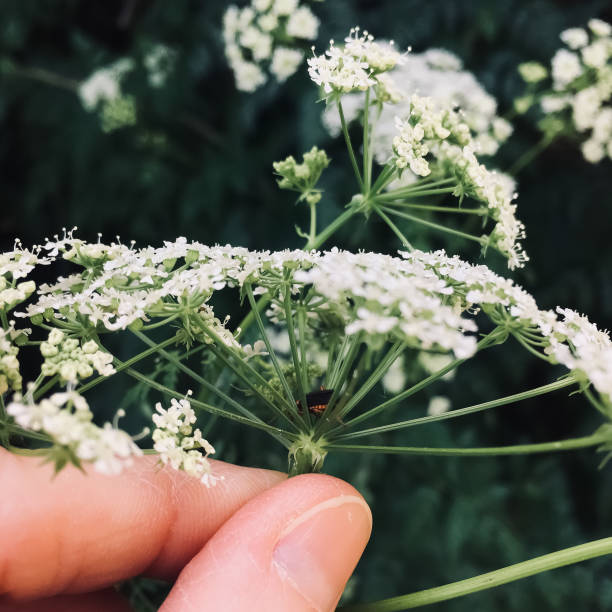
{"x":254,"y":541}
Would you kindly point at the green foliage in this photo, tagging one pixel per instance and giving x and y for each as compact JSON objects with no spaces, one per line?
{"x":192,"y":158}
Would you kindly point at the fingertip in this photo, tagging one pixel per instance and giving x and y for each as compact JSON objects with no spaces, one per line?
{"x":291,"y":548}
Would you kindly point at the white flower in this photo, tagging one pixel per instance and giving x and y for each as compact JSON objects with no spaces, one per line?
{"x":597,"y":53}
{"x":178,"y":444}
{"x":585,"y":108}
{"x":593,"y":150}
{"x":284,"y":7}
{"x":285,"y":62}
{"x":303,"y":24}
{"x":575,"y":38}
{"x":566,"y":67}
{"x":554,"y":103}
{"x":600,"y":27}
{"x":248,"y":76}
{"x":394,"y":381}
{"x":438,"y":405}
{"x":66,"y":418}
{"x":104,"y":84}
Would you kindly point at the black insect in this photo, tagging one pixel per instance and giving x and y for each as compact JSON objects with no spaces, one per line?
{"x":317,"y":400}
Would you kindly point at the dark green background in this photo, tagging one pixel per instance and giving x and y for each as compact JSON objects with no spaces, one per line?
{"x":198,"y":163}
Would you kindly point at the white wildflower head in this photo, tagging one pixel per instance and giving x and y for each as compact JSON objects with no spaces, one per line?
{"x":178,"y":444}
{"x":578,"y":97}
{"x":354,"y":66}
{"x":438,"y":75}
{"x":266,"y":37}
{"x":67,"y":420}
{"x":104,"y":85}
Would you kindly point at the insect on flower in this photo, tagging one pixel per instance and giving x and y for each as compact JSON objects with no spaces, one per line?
{"x":317,"y":400}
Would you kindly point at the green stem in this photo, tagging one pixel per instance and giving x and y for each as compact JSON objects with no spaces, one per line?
{"x":349,"y":146}
{"x":491,"y":451}
{"x":48,"y":77}
{"x":394,"y":352}
{"x":48,"y":385}
{"x":395,"y":229}
{"x":4,"y":426}
{"x":313,"y":222}
{"x":509,"y":399}
{"x":437,"y":226}
{"x":527,"y":157}
{"x":367,"y":165}
{"x":264,"y":335}
{"x":399,"y":195}
{"x":285,"y":435}
{"x":239,"y":370}
{"x":298,"y":365}
{"x":129,"y":363}
{"x":383,"y":178}
{"x":560,"y":558}
{"x":447,"y":209}
{"x":489,"y":340}
{"x":338,"y":222}
{"x":196,"y":377}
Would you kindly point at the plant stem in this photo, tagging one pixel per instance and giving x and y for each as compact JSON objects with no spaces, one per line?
{"x":298,"y":366}
{"x":448,"y":209}
{"x":197,"y":378}
{"x":490,"y":580}
{"x":509,"y":399}
{"x":285,"y":435}
{"x":437,"y":226}
{"x":129,"y":363}
{"x":527,"y":157}
{"x":387,"y":361}
{"x":264,"y":335}
{"x":395,"y":229}
{"x":367,"y":165}
{"x":323,"y":235}
{"x":313,"y":222}
{"x":383,"y":178}
{"x":399,"y":195}
{"x":491,"y":451}
{"x":489,"y":340}
{"x":349,"y":146}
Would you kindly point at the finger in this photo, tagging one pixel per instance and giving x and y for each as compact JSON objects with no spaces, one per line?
{"x":291,"y":548}
{"x":76,"y":532}
{"x":103,"y":601}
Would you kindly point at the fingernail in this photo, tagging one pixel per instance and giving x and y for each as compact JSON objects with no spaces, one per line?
{"x":318,"y":551}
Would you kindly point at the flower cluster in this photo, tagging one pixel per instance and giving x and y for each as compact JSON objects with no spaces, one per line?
{"x":10,"y":378}
{"x":71,"y":361}
{"x":303,"y":177}
{"x":67,"y":420}
{"x":425,"y":301}
{"x":442,"y":135}
{"x":357,"y":66}
{"x":577,"y":98}
{"x":265,"y":36}
{"x":178,"y":444}
{"x":103,"y":87}
{"x":159,"y":62}
{"x":439,"y":75}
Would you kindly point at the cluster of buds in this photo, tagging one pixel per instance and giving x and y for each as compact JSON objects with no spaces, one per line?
{"x":66,"y":357}
{"x":302,"y":177}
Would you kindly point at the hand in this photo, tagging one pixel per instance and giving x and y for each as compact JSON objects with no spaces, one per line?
{"x":255,"y":541}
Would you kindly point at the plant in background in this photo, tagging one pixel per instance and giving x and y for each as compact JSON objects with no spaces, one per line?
{"x":326,"y":332}
{"x":267,"y":37}
{"x":575,"y":94}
